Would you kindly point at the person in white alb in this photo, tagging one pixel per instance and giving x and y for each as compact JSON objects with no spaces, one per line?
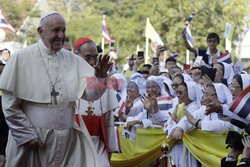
{"x":41,"y":84}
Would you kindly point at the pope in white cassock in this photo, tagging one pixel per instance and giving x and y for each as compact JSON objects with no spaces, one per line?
{"x":98,"y":114}
{"x":41,"y":84}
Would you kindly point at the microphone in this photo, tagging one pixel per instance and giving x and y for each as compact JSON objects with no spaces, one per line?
{"x":238,"y":123}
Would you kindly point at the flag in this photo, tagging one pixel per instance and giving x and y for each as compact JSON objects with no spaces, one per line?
{"x":225,"y":57}
{"x":188,"y":31}
{"x":241,"y":105}
{"x":164,"y":103}
{"x":152,"y":34}
{"x":189,"y":36}
{"x":4,"y":24}
{"x":229,"y":31}
{"x":238,"y":67}
{"x":105,"y":31}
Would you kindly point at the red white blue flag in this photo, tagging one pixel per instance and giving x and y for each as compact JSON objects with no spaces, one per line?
{"x":105,"y":32}
{"x":188,"y":31}
{"x":4,"y":24}
{"x":164,"y":103}
{"x":241,"y":105}
{"x":225,"y":57}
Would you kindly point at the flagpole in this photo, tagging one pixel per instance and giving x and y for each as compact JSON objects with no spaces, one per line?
{"x":147,"y":57}
{"x":103,"y":45}
{"x":228,"y":45}
{"x":187,"y":56}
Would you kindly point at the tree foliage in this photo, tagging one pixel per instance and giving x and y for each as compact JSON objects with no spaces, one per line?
{"x":127,"y":19}
{"x":15,"y":11}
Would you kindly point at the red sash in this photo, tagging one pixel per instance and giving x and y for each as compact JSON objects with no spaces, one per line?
{"x":96,"y":127}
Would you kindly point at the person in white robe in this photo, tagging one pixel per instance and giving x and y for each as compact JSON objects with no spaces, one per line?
{"x":200,"y":119}
{"x":228,"y":73}
{"x":41,"y":84}
{"x":98,"y":114}
{"x":157,"y":103}
{"x":187,"y":95}
{"x":168,"y":96}
{"x":239,"y":83}
{"x":120,"y":86}
{"x":135,"y":90}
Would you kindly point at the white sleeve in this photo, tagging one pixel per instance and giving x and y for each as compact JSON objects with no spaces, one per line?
{"x":216,"y":126}
{"x":162,"y":116}
{"x":93,"y":94}
{"x":146,"y":123}
{"x":140,"y":116}
{"x":19,"y":125}
{"x":184,"y":123}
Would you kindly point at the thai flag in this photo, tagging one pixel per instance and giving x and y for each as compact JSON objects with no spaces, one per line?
{"x":241,"y":105}
{"x":189,"y":36}
{"x":188,"y":31}
{"x":164,"y":103}
{"x":105,"y":32}
{"x":4,"y":24}
{"x":225,"y":57}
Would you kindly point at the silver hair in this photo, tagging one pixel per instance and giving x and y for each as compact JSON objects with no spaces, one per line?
{"x":83,"y":46}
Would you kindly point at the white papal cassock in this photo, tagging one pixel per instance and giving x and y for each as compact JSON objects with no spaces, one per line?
{"x":30,"y":111}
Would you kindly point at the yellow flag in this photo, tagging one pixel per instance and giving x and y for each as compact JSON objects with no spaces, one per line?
{"x":152,"y":34}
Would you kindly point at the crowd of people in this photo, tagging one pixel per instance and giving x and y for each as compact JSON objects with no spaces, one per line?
{"x":61,"y":102}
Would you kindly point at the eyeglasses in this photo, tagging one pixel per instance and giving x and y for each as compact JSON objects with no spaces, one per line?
{"x":89,"y":58}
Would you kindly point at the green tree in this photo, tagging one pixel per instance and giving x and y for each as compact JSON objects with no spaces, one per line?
{"x":127,"y":19}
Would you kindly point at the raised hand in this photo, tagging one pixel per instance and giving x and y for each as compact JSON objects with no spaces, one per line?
{"x":206,"y":80}
{"x":154,"y":103}
{"x":160,"y":49}
{"x":213,"y":107}
{"x":146,"y":102}
{"x":130,"y":100}
{"x":102,"y":66}
{"x":154,"y":70}
{"x":190,"y":118}
{"x":174,"y":114}
{"x":178,"y":133}
{"x":246,"y":143}
{"x":196,"y":74}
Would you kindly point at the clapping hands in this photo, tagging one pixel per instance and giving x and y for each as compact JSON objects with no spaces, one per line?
{"x":150,"y":101}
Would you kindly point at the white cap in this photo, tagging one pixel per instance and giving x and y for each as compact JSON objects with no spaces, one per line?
{"x":46,"y":15}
